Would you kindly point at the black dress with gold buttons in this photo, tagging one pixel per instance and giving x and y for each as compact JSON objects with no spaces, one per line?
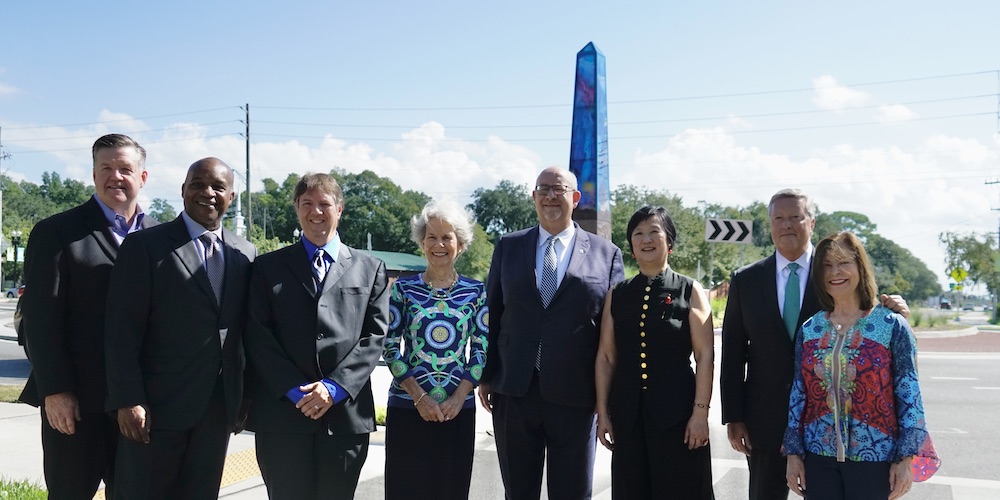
{"x":652,"y":392}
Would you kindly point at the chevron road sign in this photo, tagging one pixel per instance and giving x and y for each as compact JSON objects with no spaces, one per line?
{"x":729,"y":231}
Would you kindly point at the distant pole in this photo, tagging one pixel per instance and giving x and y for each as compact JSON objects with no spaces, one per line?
{"x":249,"y":205}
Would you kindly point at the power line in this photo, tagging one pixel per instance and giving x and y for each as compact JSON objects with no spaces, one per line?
{"x":124,"y":120}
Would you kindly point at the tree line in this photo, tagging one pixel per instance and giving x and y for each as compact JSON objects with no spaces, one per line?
{"x":376,"y":206}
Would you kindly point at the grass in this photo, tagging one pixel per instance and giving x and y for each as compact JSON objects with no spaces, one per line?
{"x":11,"y":489}
{"x":922,"y":318}
{"x":9,"y":394}
{"x":380,"y":415}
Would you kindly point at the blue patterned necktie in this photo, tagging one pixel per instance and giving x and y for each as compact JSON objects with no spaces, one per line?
{"x":548,"y":286}
{"x":213,"y":263}
{"x":319,"y":267}
{"x":791,"y":311}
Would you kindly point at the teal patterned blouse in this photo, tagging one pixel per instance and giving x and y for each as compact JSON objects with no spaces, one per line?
{"x":436,"y":336}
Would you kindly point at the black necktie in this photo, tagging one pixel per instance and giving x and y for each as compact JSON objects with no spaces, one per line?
{"x":213,"y":263}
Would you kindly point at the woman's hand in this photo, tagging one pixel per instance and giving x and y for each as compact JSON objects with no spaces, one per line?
{"x":696,"y":433}
{"x":429,"y":409}
{"x":451,"y":406}
{"x":795,"y":474}
{"x":605,"y":432}
{"x":900,"y":478}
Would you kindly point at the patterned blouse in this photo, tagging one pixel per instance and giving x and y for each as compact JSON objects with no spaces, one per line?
{"x":437,"y":336}
{"x":856,"y":396}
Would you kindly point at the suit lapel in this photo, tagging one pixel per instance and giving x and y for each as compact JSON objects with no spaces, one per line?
{"x":530,"y":241}
{"x":577,"y":254}
{"x":187,"y":253}
{"x":338,"y":268}
{"x":298,"y":262}
{"x":100,"y":230}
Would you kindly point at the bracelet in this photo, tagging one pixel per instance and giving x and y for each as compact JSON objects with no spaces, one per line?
{"x":699,"y":405}
{"x":422,"y":396}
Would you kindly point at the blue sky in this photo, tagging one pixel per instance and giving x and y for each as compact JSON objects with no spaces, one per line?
{"x":884,"y":108}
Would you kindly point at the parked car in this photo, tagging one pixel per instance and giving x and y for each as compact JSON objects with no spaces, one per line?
{"x":14,"y":292}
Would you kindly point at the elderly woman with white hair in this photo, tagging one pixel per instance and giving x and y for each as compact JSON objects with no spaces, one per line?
{"x":436,"y":350}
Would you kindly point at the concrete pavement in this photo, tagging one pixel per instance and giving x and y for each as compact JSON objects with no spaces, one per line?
{"x":22,"y":458}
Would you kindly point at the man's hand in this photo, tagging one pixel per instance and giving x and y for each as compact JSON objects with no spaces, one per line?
{"x":486,"y":397}
{"x":63,"y":412}
{"x":134,"y":422}
{"x":896,"y":303}
{"x":739,"y":437}
{"x":795,"y":474}
{"x":316,"y":401}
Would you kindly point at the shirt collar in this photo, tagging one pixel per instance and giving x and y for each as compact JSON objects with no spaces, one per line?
{"x":119,"y":224}
{"x":803,"y":261}
{"x":195,"y":230}
{"x":565,"y":236}
{"x":332,"y":249}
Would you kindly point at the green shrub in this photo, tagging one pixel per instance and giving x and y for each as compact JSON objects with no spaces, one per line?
{"x":380,"y":415}
{"x":21,"y":490}
{"x":718,"y":310}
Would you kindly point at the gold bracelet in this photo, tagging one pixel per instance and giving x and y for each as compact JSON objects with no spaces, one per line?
{"x":699,"y":405}
{"x":422,"y":396}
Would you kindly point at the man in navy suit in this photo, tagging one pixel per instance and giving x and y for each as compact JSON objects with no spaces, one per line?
{"x":545,"y":292}
{"x":757,"y":346}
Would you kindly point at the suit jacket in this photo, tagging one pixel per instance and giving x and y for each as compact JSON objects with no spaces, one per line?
{"x":569,"y":328}
{"x":297,"y":335}
{"x":164,"y":326}
{"x":755,"y":342}
{"x":67,"y":265}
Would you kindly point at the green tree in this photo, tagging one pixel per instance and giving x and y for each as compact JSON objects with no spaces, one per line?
{"x":976,"y":254}
{"x":377,"y":206}
{"x":475,"y":261}
{"x":505,"y":208}
{"x":161,"y":210}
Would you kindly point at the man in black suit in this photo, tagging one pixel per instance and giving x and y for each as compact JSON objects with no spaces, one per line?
{"x":757,"y":345}
{"x":66,"y":268}
{"x":317,"y":316}
{"x":545,"y":292}
{"x":174,"y":344}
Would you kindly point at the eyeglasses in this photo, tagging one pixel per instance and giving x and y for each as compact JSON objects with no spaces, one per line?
{"x":558,"y":189}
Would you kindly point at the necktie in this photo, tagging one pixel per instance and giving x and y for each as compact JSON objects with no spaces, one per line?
{"x":213,"y":263}
{"x":791,"y":312}
{"x":319,"y":267}
{"x":547,"y":289}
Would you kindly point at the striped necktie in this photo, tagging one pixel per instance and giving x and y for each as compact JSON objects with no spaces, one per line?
{"x":213,"y":263}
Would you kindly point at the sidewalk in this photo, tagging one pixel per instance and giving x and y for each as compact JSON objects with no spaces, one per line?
{"x":22,"y":455}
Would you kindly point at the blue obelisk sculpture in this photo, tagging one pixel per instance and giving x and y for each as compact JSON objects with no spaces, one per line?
{"x":588,"y":157}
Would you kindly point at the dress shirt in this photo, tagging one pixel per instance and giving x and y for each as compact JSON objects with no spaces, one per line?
{"x":195,"y":230}
{"x":564,"y":241}
{"x":120,"y":227}
{"x":781,"y":270}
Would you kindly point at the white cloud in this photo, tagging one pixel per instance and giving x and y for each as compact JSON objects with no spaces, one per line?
{"x":8,"y":89}
{"x":833,"y":96}
{"x":890,"y":113}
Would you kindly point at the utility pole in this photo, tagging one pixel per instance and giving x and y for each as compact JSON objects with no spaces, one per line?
{"x":249,"y":205}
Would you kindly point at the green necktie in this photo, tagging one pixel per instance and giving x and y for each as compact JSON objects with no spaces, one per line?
{"x":791,"y":314}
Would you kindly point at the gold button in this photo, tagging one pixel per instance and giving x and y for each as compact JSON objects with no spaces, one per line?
{"x":643,"y":365}
{"x":644,"y":376}
{"x":647,"y":288}
{"x":642,"y":354}
{"x":643,"y":315}
{"x":642,"y":324}
{"x":645,"y":297}
{"x":645,"y":306}
{"x":642,"y":334}
{"x":643,"y":344}
{"x":644,"y":388}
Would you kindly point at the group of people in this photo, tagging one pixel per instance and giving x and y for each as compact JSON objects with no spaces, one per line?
{"x":141,"y":348}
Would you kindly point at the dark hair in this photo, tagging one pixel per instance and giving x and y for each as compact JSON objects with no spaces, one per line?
{"x":115,"y":141}
{"x":661,"y":215}
{"x":844,"y":246}
{"x":324,"y":183}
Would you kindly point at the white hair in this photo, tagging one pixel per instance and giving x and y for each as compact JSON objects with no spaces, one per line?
{"x":446,"y":210}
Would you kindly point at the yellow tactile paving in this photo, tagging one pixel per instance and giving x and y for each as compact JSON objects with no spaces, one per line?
{"x":239,"y":466}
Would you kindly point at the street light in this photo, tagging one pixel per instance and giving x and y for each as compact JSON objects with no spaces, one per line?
{"x":15,"y":239}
